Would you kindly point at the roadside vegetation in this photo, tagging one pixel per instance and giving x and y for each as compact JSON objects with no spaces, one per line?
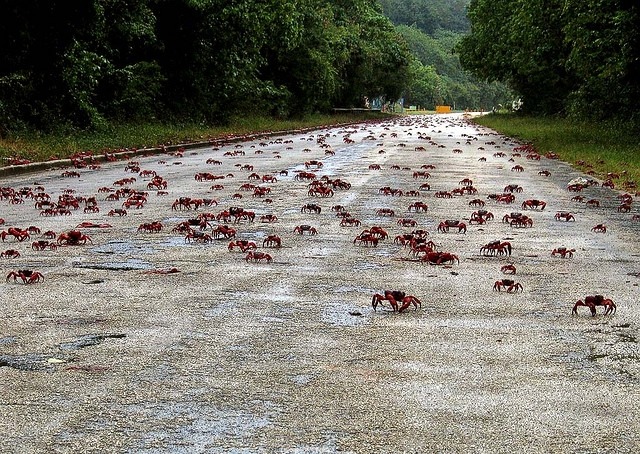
{"x":100,"y":74}
{"x":574,"y":66}
{"x":37,"y":147}
{"x":103,"y":75}
{"x":604,"y":147}
{"x":568,"y":58}
{"x":87,"y":65}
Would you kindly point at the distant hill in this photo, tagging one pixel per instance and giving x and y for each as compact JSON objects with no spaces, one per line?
{"x":432,"y":29}
{"x":428,"y":16}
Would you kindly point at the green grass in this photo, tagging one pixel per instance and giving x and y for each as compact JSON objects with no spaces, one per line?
{"x":604,"y":147}
{"x":38,"y":147}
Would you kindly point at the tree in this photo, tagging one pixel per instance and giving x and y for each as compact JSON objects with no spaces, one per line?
{"x":39,"y":40}
{"x":454,"y":85}
{"x":301,"y":70}
{"x":131,"y":82}
{"x":563,"y":56}
{"x":373,"y":59}
{"x":86,"y":63}
{"x":426,"y":86}
{"x":604,"y":36}
{"x":428,"y":16}
{"x":520,"y":43}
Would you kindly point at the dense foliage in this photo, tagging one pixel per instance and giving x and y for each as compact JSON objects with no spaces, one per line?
{"x":432,"y":29}
{"x":438,"y":78}
{"x":428,"y":16}
{"x":87,"y":63}
{"x":569,"y":57}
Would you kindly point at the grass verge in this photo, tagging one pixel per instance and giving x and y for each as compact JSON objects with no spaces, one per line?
{"x":38,"y":147}
{"x":604,"y":147}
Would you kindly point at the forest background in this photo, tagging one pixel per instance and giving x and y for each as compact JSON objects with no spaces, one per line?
{"x":103,"y":66}
{"x":88,"y":63}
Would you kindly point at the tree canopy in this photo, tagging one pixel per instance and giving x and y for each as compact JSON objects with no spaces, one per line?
{"x":569,"y":57}
{"x":428,"y":16}
{"x":84,"y":63}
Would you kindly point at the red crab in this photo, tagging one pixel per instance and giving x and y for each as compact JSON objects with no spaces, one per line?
{"x":73,"y":238}
{"x":10,"y":254}
{"x":599,"y":228}
{"x":17,"y":233}
{"x":563,"y":252}
{"x":418,"y":207}
{"x":511,"y":216}
{"x":445,"y":225}
{"x":224,"y":232}
{"x":267,"y":218}
{"x":439,"y":258}
{"x":92,"y":225}
{"x":533,"y":204}
{"x":41,"y":245}
{"x":313,"y":163}
{"x":425,"y":252}
{"x":395,"y":296}
{"x":385,"y":212}
{"x":512,"y":188}
{"x":273,"y":241}
{"x":407,"y":222}
{"x":505,"y":198}
{"x":244,"y":245}
{"x":496,"y":248}
{"x":596,"y":300}
{"x":197,"y":237}
{"x":521,"y":221}
{"x":378,"y":232}
{"x":150,"y":227}
{"x":311,"y":208}
{"x":349,"y":222}
{"x":27,"y":276}
{"x":508,"y":269}
{"x":564,"y":216}
{"x":509,"y":285}
{"x":480,"y":217}
{"x":300,"y":229}
{"x":367,"y":239}
{"x":321,"y":191}
{"x":258,"y":256}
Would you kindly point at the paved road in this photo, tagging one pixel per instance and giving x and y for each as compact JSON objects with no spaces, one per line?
{"x":289,"y":356}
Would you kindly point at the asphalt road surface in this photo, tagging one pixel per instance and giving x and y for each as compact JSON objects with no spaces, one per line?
{"x":112,"y":352}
